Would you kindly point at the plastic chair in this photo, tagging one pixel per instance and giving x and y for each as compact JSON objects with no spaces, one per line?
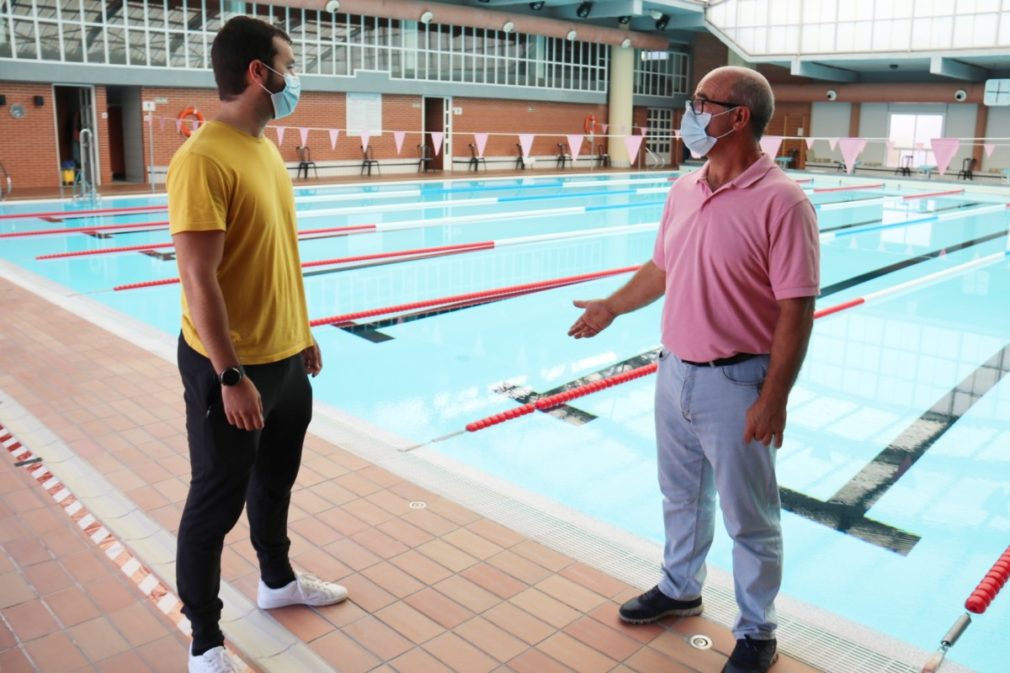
{"x":305,"y":162}
{"x":904,"y":165}
{"x":564,"y":156}
{"x":967,"y":171}
{"x":476,"y":161}
{"x":423,"y":159}
{"x":602,"y":157}
{"x":368,"y":160}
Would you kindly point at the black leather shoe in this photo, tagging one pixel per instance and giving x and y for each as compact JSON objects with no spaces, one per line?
{"x":653,"y":605}
{"x":752,"y":656}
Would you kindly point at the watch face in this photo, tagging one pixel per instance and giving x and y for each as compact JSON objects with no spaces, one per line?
{"x":231,"y":376}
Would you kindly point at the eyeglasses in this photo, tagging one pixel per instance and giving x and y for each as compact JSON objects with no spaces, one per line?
{"x":698,"y":104}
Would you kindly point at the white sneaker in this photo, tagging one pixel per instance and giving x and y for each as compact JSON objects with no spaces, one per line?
{"x":215,"y":660}
{"x":304,"y":590}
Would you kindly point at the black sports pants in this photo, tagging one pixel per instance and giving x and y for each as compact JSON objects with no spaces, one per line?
{"x":232,"y":468}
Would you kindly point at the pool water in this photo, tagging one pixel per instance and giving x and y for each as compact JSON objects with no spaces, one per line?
{"x":896,"y":464}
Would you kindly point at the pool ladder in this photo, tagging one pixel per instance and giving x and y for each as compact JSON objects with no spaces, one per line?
{"x":7,"y":184}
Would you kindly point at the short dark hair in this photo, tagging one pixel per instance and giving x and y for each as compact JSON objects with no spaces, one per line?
{"x":241,"y":41}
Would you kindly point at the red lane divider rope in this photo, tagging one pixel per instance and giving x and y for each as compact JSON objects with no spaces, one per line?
{"x":459,"y":247}
{"x":104,"y":251}
{"x":482,"y":294}
{"x":304,"y":233}
{"x":838,"y":307}
{"x":556,"y":400}
{"x":436,"y":251}
{"x":978,"y":601}
{"x":849,"y":188}
{"x":69,"y":214}
{"x":990,"y":585}
{"x":928,"y":194}
{"x":78,"y":230}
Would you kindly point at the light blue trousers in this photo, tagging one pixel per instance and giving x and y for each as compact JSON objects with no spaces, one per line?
{"x":700,"y":418}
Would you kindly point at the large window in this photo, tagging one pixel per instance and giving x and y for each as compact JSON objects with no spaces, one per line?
{"x":910,"y":135}
{"x":178,"y":34}
{"x":800,"y":27}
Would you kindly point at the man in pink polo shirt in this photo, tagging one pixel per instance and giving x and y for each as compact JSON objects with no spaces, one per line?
{"x":737,"y":261}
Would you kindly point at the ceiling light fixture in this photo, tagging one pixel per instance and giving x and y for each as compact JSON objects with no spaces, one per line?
{"x":571,"y":36}
{"x":624,"y":20}
{"x":537,"y":6}
{"x":426,"y":17}
{"x":584,"y":9}
{"x":508,"y":27}
{"x":626,"y":42}
{"x":662,"y":22}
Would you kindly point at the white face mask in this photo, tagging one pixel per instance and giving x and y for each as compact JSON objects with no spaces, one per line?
{"x":693,"y":133}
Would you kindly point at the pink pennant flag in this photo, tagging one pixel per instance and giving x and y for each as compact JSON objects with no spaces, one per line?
{"x":398,"y":137}
{"x":480,"y":140}
{"x":334,"y":133}
{"x":644,"y":130}
{"x":833,"y":142}
{"x":944,"y":150}
{"x":178,"y":126}
{"x":810,"y":143}
{"x":676,"y":133}
{"x":851,"y":149}
{"x":603,"y":126}
{"x":526,"y":142}
{"x":633,"y":143}
{"x":303,"y":133}
{"x":280,"y":134}
{"x":988,"y":147}
{"x":575,"y":145}
{"x":148,"y":119}
{"x":436,"y":141}
{"x":364,"y":139}
{"x":770,"y":145}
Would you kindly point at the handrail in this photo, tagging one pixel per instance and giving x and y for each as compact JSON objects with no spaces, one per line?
{"x":7,"y":181}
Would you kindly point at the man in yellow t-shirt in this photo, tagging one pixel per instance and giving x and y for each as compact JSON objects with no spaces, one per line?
{"x":246,"y":348}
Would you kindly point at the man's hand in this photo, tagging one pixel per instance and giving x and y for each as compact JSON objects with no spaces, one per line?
{"x":313,"y":359}
{"x":766,"y":421}
{"x":596,"y":318}
{"x":243,"y":406}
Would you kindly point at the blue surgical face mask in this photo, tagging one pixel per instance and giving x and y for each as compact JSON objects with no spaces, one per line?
{"x":693,"y":133}
{"x":286,"y":99}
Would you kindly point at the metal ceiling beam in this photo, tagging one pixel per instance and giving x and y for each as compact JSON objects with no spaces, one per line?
{"x":813,"y":70}
{"x":948,"y":67}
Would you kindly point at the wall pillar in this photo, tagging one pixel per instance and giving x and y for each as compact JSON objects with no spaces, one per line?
{"x":622,"y":83}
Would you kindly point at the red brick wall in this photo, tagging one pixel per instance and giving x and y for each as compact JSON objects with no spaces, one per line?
{"x":549,"y":120}
{"x":707,"y":54}
{"x":28,"y":146}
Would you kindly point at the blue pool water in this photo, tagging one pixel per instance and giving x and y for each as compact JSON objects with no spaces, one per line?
{"x":901,"y":376}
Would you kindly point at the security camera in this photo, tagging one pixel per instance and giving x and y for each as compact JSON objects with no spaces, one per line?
{"x":960,"y":95}
{"x":333,"y":6}
{"x":831,"y":94}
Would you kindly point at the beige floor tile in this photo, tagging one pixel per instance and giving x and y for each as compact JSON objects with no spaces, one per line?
{"x":419,"y":661}
{"x":467,"y":594}
{"x":55,"y":652}
{"x":460,"y":655}
{"x":418,"y":565}
{"x":98,"y":639}
{"x":570,"y":593}
{"x":392,"y":579}
{"x":451,"y":557}
{"x":490,"y":639}
{"x":546,"y":608}
{"x":521,"y":568}
{"x":438,"y":607}
{"x":494,"y":580}
{"x":519,"y":623}
{"x":302,"y":621}
{"x":410,"y":623}
{"x":30,"y":620}
{"x":575,"y":654}
{"x":378,"y":638}
{"x":535,"y":661}
{"x":139,"y":623}
{"x":344,"y":654}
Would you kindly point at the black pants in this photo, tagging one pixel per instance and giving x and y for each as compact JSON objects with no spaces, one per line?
{"x":232,"y":467}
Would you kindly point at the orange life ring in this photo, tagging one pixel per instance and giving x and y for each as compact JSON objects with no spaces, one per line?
{"x":589,"y":124}
{"x":184,"y":128}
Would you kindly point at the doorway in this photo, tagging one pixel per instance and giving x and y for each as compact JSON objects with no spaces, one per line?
{"x":437,"y":119}
{"x":77,"y":133}
{"x":126,"y":134}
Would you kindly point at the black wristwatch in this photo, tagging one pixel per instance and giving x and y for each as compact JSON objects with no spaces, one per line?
{"x":231,"y":376}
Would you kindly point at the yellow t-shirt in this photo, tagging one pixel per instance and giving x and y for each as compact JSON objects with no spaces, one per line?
{"x":223,"y":179}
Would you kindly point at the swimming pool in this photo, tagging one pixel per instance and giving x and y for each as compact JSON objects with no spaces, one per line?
{"x":898,"y":433}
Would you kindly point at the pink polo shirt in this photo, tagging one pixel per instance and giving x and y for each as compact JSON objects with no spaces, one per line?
{"x":729,"y":256}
